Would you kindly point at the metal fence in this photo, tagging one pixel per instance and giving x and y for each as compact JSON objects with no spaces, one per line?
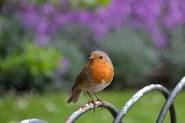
{"x":118,"y":116}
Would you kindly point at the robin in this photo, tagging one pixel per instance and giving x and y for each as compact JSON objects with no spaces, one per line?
{"x":96,"y":75}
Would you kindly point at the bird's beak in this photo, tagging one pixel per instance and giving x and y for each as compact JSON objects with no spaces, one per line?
{"x":90,"y":58}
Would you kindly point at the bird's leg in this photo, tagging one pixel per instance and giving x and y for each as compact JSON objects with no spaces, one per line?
{"x":92,"y":101}
{"x":97,"y":98}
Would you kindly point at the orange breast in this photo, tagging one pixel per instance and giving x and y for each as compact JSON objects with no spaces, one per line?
{"x":102,"y":70}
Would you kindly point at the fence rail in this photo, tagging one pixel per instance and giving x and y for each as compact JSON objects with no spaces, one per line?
{"x":118,"y":116}
{"x":178,"y":88}
{"x":139,"y":95}
{"x":92,"y":106}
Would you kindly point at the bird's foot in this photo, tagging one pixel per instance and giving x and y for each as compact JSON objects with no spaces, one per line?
{"x":94,"y":103}
{"x":83,"y":106}
{"x":101,"y":101}
{"x":98,"y":99}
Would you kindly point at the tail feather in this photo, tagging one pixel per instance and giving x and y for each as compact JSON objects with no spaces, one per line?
{"x":74,"y":96}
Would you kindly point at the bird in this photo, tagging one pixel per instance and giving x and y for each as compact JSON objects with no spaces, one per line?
{"x":96,"y":75}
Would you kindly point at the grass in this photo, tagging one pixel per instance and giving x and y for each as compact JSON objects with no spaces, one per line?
{"x":53,"y":108}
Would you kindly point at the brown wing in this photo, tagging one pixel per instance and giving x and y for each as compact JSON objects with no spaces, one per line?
{"x":82,"y":77}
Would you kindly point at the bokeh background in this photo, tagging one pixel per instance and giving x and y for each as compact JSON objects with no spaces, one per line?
{"x":45,"y":43}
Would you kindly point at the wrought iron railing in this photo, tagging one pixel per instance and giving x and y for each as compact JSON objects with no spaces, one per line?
{"x":118,"y":116}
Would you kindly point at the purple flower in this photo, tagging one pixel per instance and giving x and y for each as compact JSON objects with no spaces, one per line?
{"x":160,"y":40}
{"x":46,"y":19}
{"x":47,"y":9}
{"x":175,"y":14}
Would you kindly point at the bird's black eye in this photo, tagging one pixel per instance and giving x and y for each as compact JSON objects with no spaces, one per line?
{"x":101,"y":57}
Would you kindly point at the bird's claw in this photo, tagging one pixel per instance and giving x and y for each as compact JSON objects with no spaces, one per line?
{"x":92,"y":101}
{"x":98,"y":99}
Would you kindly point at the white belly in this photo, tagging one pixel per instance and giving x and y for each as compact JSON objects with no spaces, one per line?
{"x":98,"y":87}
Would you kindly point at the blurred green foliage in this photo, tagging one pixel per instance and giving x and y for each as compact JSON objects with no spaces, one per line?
{"x":75,"y":58}
{"x":174,"y":54}
{"x":32,"y":68}
{"x":89,"y":3}
{"x":41,"y":60}
{"x":12,"y":35}
{"x":55,"y":2}
{"x":133,"y":57}
{"x":85,"y":4}
{"x":24,"y":64}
